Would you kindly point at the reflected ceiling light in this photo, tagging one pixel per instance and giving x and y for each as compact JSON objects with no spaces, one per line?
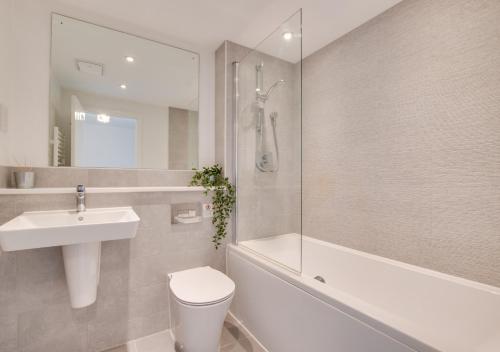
{"x":287,"y":36}
{"x":103,"y":118}
{"x":129,"y":58}
{"x":123,"y":86}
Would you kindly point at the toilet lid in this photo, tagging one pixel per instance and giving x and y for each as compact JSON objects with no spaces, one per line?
{"x":201,"y":286}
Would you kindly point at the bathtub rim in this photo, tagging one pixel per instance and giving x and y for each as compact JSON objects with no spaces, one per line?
{"x":421,"y":270}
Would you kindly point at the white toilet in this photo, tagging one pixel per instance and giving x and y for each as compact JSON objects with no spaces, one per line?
{"x":200,"y":299}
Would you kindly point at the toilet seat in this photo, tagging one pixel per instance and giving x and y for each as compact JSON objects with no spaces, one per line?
{"x":201,"y":286}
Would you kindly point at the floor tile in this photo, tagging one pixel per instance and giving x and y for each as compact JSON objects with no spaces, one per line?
{"x":233,"y":339}
{"x":160,"y":342}
{"x":243,"y":345}
{"x":230,"y":334}
{"x":119,"y":349}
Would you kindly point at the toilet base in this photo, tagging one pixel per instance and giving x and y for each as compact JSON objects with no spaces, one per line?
{"x":198,"y":328}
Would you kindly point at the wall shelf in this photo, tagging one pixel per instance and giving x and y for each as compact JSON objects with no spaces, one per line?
{"x":66,"y":190}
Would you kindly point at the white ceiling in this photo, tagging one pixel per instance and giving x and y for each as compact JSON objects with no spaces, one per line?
{"x":206,"y":23}
{"x":323,"y":21}
{"x":161,"y":75}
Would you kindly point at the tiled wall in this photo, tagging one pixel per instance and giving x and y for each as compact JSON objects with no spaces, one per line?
{"x":182,"y":139}
{"x":70,"y":177}
{"x":132,"y":301}
{"x":402,"y":137}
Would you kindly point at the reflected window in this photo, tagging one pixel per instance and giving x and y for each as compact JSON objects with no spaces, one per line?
{"x":106,"y":141}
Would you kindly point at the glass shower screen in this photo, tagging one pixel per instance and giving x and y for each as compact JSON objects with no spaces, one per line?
{"x":268,"y":123}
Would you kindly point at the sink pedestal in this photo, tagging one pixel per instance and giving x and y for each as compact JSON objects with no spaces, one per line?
{"x":82,"y":267}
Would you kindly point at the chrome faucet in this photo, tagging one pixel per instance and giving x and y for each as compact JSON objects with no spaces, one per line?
{"x":80,"y":198}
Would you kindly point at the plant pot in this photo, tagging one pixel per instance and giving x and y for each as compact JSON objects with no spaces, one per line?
{"x":24,"y":179}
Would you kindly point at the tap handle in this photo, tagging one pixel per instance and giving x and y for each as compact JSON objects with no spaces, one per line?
{"x":80,"y":188}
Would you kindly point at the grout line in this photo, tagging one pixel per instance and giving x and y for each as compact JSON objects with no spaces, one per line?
{"x":148,"y":336}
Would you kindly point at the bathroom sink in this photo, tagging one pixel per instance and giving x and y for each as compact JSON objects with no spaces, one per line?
{"x":64,"y":227}
{"x":79,"y":234}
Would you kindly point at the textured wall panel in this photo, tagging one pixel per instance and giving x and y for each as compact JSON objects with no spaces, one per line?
{"x":402,"y":137}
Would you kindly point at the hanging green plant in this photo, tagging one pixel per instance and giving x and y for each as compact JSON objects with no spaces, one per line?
{"x":223,"y":197}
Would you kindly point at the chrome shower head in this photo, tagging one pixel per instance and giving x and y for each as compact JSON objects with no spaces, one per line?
{"x":264,"y":96}
{"x":274,"y":86}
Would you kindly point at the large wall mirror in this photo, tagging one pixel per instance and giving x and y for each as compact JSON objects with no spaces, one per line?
{"x":120,"y":101}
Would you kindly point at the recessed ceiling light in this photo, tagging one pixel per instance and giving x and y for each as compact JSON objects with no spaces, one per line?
{"x":123,"y":86}
{"x":287,"y":36}
{"x":129,"y":58}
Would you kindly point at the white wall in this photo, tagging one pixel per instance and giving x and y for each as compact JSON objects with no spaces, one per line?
{"x":28,"y":134}
{"x":4,"y":74}
{"x":323,"y":21}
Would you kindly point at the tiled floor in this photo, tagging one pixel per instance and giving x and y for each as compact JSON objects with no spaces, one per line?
{"x":233,"y":339}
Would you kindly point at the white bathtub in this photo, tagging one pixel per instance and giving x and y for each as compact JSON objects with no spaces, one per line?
{"x":368,"y":303}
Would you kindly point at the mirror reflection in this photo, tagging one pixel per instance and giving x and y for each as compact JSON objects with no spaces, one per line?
{"x":120,"y":101}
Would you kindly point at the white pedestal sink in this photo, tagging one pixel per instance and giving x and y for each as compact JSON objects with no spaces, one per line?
{"x":79,"y":234}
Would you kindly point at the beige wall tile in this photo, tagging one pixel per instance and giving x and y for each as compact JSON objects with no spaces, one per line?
{"x":151,"y":178}
{"x":4,"y":176}
{"x":8,"y":287}
{"x":132,"y":296}
{"x":8,"y":209}
{"x":60,"y":176}
{"x":8,"y":302}
{"x":44,"y":202}
{"x":8,"y":333}
{"x":182,"y":139}
{"x":53,"y":328}
{"x":112,"y":178}
{"x":71,"y":177}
